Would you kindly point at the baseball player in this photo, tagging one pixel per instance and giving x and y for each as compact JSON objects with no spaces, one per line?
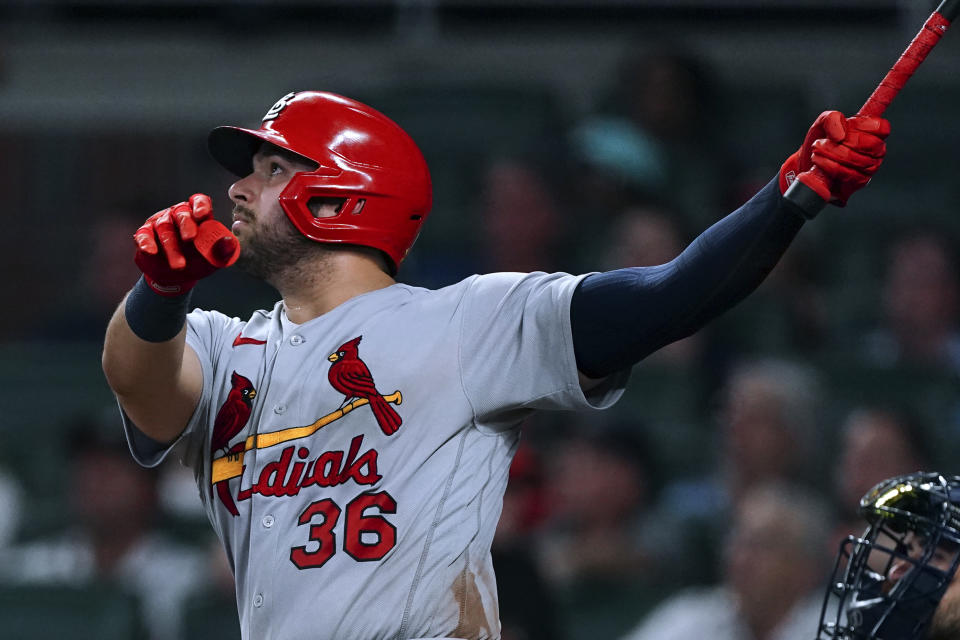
{"x":898,"y":580}
{"x":351,"y":444}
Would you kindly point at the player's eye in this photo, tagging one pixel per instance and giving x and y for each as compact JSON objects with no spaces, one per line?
{"x":275,"y":169}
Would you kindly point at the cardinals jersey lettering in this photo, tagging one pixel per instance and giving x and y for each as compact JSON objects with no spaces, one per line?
{"x":354,"y":466}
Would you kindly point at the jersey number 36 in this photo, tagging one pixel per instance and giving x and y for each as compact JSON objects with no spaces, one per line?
{"x":367,"y":538}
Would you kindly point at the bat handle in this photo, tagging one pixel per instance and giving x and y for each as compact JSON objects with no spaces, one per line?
{"x":805,"y":200}
{"x":915,"y":53}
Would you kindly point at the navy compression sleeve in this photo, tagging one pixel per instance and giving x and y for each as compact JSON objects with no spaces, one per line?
{"x":620,"y":317}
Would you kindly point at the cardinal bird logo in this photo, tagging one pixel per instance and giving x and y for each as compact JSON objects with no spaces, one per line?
{"x":231,"y":419}
{"x":351,"y":377}
{"x":233,"y":415}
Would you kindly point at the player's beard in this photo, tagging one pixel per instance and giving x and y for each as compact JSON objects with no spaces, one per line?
{"x":273,"y":253}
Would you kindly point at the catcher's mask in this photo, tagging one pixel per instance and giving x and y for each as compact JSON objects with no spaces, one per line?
{"x":887,"y":583}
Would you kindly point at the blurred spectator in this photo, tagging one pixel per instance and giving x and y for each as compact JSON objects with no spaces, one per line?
{"x":104,"y":277}
{"x":920,"y":305}
{"x":521,"y":226}
{"x":774,"y":565}
{"x":528,"y":610}
{"x":211,"y":614}
{"x":768,"y":424}
{"x":11,"y":503}
{"x":670,"y":385}
{"x":179,"y":497}
{"x":113,"y":538}
{"x":602,"y":551}
{"x":525,"y":505}
{"x":619,"y":163}
{"x":646,"y":234}
{"x":876,"y":443}
{"x":787,"y":315}
{"x":767,"y":428}
{"x":656,"y":134}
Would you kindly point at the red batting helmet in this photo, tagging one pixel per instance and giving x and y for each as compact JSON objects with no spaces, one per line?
{"x":363,"y":157}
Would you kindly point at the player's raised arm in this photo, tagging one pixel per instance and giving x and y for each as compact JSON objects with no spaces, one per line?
{"x":154,"y":376}
{"x":620,"y":317}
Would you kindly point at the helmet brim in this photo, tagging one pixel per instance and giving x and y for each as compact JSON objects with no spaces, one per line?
{"x":234,"y":147}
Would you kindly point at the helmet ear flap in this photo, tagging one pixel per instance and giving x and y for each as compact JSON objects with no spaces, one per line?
{"x":300,"y":196}
{"x":356,"y":220}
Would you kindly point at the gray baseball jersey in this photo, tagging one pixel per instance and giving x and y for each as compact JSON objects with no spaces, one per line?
{"x":354,"y":466}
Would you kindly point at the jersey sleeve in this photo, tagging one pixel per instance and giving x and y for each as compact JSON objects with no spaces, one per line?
{"x":516,"y":350}
{"x":207,"y":333}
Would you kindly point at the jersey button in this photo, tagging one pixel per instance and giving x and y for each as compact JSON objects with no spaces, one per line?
{"x":280,"y":408}
{"x":258,"y":600}
{"x":297,"y":340}
{"x":267,"y":521}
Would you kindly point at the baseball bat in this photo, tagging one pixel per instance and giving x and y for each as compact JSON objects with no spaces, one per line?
{"x":804,"y":199}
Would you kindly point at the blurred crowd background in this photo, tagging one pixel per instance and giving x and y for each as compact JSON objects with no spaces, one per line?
{"x":573,"y":136}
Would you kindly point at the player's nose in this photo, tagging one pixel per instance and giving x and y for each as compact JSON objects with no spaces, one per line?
{"x":242,"y":189}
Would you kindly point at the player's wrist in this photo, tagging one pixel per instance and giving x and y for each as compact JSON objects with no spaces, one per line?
{"x":154,"y":316}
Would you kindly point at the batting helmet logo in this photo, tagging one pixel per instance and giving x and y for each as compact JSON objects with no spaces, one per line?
{"x":278,"y":106}
{"x":363,"y":158}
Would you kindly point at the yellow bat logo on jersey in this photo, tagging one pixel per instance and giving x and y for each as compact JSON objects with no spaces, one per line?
{"x":231,"y":465}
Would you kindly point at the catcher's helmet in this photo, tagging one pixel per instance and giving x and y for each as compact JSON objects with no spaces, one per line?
{"x":364,"y":158}
{"x":887,"y":583}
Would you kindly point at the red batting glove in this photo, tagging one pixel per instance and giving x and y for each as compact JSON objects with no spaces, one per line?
{"x":839,"y":156}
{"x":181,"y":244}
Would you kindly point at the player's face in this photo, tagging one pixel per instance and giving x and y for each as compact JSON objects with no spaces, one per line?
{"x":945,"y":624}
{"x":269,"y":242}
{"x":915,"y":544}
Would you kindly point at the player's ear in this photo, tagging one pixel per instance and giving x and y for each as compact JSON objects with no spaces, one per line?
{"x":325,"y":207}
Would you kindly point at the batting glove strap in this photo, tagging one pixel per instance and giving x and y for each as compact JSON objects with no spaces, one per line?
{"x":169,"y":290}
{"x":790,"y":172}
